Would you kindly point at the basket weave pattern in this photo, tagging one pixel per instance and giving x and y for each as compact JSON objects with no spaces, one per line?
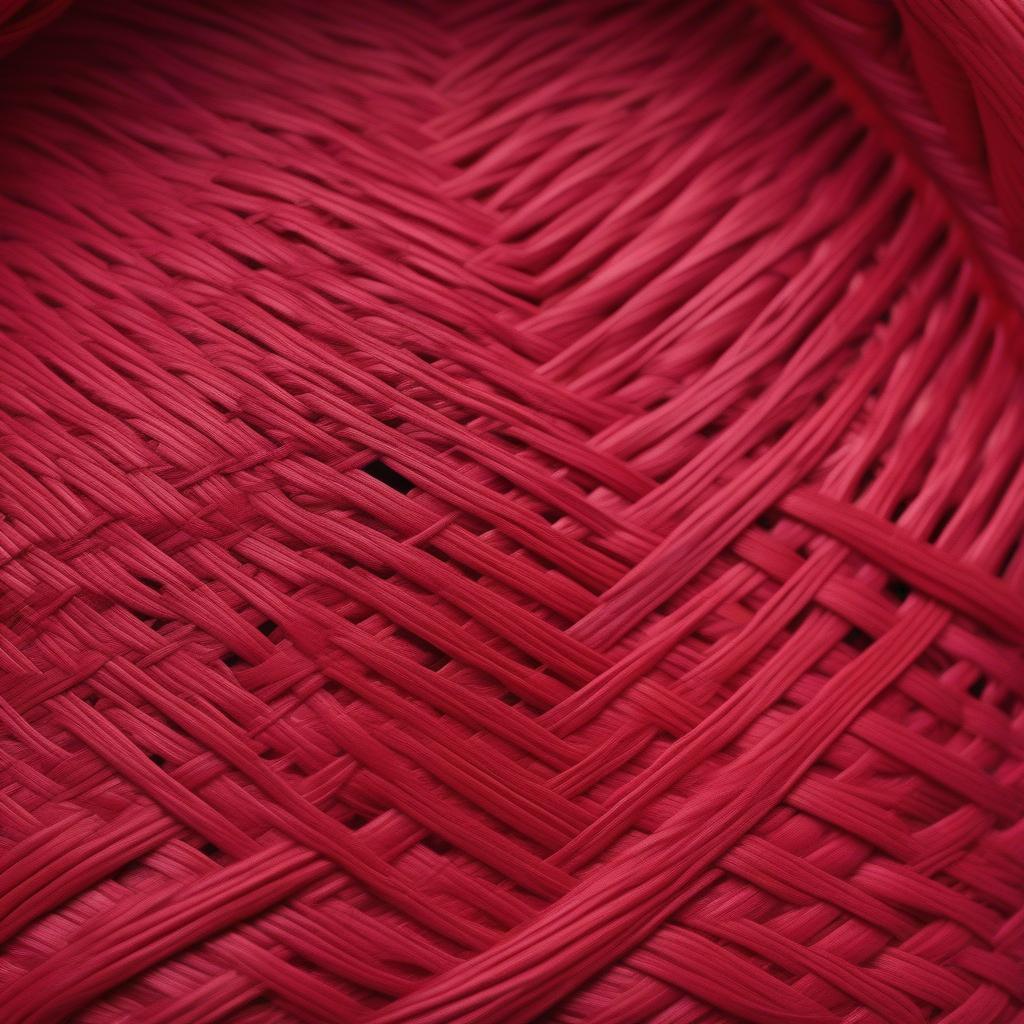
{"x":507,"y":513}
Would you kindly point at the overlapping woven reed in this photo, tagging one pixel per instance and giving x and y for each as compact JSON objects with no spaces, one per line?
{"x":508,"y":512}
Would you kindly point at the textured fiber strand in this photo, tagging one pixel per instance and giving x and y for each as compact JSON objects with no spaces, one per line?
{"x":966,"y":57}
{"x":509,"y":513}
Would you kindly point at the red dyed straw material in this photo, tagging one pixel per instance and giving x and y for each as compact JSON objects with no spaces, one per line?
{"x":511,"y":512}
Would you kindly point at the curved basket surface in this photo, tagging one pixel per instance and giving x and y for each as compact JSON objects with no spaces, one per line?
{"x":508,"y":512}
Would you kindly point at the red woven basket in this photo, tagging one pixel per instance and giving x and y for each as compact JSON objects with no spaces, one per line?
{"x":511,"y":512}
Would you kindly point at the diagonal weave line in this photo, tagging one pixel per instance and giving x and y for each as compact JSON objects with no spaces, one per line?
{"x":930,"y":570}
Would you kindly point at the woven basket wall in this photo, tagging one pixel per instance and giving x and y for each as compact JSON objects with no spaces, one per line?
{"x":510,"y":511}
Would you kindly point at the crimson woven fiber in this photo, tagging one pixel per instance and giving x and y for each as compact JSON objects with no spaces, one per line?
{"x":510,"y":512}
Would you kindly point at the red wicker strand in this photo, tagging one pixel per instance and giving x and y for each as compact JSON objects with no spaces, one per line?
{"x":511,"y":512}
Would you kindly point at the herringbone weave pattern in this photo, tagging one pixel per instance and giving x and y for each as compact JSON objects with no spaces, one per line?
{"x":508,"y":512}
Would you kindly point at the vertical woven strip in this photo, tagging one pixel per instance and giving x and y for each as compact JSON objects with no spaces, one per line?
{"x":508,"y":513}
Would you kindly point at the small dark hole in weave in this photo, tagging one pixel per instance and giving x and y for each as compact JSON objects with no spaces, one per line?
{"x":799,"y":619}
{"x":898,"y":589}
{"x":231,"y":659}
{"x":513,"y":443}
{"x":209,"y":850}
{"x":386,"y":475}
{"x":157,"y":760}
{"x":437,"y":844}
{"x":268,"y":627}
{"x":152,"y":584}
{"x":767,"y":520}
{"x":427,"y":357}
{"x":977,"y":688}
{"x":858,"y":639}
{"x":357,"y":821}
{"x":901,"y":507}
{"x":867,"y":478}
{"x":307,"y":967}
{"x":940,"y":526}
{"x":410,"y":644}
{"x":509,"y":698}
{"x":1005,"y":564}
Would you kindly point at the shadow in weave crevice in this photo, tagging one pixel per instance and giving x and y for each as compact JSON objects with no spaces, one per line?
{"x":436,"y":844}
{"x":230,"y":658}
{"x":388,"y":476}
{"x":941,"y":523}
{"x":857,"y":639}
{"x":155,"y":624}
{"x":897,"y":589}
